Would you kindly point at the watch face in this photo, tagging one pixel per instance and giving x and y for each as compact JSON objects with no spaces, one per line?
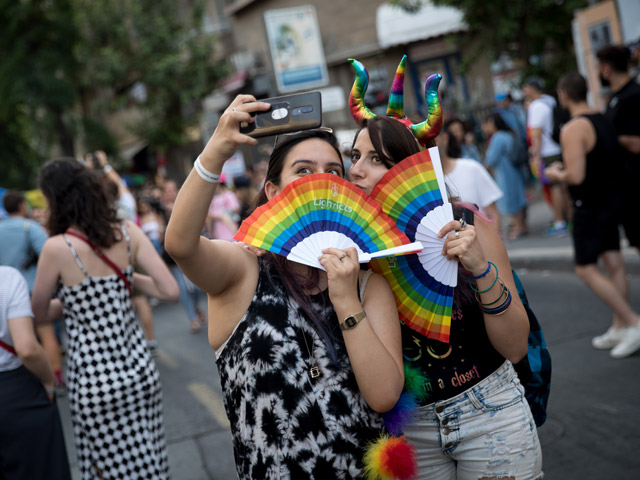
{"x":350,"y":322}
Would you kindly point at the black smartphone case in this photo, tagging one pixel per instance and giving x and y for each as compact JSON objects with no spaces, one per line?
{"x":289,"y":113}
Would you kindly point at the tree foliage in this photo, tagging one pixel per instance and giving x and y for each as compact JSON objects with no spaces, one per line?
{"x":536,"y":33}
{"x":37,"y":74}
{"x":68,"y":64}
{"x":154,"y":46}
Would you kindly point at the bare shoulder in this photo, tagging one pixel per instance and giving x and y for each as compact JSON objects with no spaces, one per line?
{"x":376,"y":285}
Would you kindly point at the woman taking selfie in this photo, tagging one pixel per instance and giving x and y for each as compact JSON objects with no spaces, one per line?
{"x":301,"y":387}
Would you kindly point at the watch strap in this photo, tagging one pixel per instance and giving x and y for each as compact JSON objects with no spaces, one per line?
{"x":352,"y":320}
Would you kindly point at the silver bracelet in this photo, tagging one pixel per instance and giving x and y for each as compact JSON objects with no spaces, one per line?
{"x":107,"y":168}
{"x":205,"y":174}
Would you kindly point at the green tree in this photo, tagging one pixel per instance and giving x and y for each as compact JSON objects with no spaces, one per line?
{"x":37,"y":74}
{"x":534,"y":32}
{"x":68,"y":64}
{"x":156,"y":48}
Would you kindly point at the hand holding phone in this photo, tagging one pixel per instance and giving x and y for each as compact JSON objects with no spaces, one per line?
{"x":289,"y":113}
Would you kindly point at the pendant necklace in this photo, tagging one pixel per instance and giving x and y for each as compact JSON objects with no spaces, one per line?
{"x":314,"y":371}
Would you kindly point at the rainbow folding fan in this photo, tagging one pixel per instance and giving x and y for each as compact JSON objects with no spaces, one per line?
{"x":323,"y":211}
{"x":413,"y":194}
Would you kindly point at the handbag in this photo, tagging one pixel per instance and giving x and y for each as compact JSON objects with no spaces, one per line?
{"x":103,"y":257}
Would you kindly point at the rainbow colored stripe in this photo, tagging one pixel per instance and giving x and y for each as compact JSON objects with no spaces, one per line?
{"x":407,"y":193}
{"x":320,"y":203}
{"x":395,"y":107}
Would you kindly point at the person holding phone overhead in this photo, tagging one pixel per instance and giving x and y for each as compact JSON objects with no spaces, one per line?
{"x":274,"y":319}
{"x":475,"y":421}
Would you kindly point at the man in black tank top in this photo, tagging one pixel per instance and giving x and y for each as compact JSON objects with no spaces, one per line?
{"x":592,"y":168}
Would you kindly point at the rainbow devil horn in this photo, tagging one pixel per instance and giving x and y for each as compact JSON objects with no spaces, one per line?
{"x":395,"y":108}
{"x":359,"y":110}
{"x":431,"y":127}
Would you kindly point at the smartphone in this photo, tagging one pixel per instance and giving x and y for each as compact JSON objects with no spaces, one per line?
{"x":289,"y":113}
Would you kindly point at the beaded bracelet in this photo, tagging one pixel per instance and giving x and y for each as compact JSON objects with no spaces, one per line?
{"x":205,"y":174}
{"x":486,"y":271}
{"x":490,"y":287}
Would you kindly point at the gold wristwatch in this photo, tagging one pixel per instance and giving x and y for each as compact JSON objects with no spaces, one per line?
{"x":352,"y":320}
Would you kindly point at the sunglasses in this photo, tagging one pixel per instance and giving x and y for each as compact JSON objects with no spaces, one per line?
{"x":279,"y":138}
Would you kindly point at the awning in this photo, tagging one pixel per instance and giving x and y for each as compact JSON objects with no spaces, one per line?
{"x":397,"y":27}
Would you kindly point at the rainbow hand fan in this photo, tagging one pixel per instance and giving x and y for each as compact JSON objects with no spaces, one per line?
{"x":323,"y":211}
{"x":413,"y":194}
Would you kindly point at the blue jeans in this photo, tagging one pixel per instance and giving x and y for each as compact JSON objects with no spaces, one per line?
{"x":486,"y":431}
{"x":189,"y":294}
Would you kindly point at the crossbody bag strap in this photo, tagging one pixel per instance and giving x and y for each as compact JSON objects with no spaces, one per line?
{"x":8,"y":348}
{"x":103,"y":257}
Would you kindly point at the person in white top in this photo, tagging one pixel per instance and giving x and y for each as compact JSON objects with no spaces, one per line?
{"x":467,"y":179}
{"x":545,"y":151}
{"x":31,"y":440}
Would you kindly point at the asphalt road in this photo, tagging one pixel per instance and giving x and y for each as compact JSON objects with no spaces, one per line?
{"x":593,"y":426}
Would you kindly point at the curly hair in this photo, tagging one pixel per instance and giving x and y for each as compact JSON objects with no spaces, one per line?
{"x":76,"y":196}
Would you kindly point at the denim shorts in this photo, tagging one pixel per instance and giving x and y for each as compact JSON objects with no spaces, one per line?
{"x":486,"y":431}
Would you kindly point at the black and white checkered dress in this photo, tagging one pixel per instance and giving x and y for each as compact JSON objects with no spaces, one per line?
{"x":114,"y":386}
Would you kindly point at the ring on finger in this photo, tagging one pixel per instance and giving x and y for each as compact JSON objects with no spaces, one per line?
{"x":457,"y":234}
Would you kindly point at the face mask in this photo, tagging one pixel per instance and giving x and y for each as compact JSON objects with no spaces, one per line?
{"x":604,"y":81}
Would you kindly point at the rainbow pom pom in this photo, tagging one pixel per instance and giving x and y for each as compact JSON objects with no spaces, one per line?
{"x":402,"y":413}
{"x":390,"y":458}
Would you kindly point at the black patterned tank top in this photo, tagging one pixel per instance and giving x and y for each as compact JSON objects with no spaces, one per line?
{"x":284,"y":423}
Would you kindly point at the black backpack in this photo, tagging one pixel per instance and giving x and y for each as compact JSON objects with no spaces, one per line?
{"x":534,"y":370}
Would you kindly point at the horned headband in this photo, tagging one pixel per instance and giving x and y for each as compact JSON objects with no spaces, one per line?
{"x":424,"y":131}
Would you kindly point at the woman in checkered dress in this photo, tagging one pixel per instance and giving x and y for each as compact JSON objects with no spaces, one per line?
{"x":114,"y":386}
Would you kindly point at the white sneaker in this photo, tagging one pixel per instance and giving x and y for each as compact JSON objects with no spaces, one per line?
{"x":629,"y":344}
{"x":608,"y":339}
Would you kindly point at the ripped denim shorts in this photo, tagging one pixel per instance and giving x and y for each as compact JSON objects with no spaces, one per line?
{"x":484,"y":432}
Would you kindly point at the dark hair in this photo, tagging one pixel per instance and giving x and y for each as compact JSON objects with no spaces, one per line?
{"x":499,"y":122}
{"x":77,"y":196}
{"x":454,"y":150}
{"x":12,"y":201}
{"x":574,"y":85}
{"x":616,"y":56}
{"x":392,"y":140}
{"x":295,"y":283}
{"x":535,"y":82}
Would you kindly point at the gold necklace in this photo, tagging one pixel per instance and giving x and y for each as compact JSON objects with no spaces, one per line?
{"x":314,"y":371}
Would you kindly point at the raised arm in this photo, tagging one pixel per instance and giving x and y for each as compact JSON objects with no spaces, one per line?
{"x":212,"y":265}
{"x":374,"y":345}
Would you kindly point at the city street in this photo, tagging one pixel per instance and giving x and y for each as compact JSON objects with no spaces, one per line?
{"x":593,"y":428}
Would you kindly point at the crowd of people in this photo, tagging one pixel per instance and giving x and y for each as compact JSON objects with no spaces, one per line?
{"x":309,"y":359}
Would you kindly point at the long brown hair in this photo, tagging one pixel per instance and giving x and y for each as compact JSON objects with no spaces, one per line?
{"x":77,"y":196}
{"x":296,"y":284}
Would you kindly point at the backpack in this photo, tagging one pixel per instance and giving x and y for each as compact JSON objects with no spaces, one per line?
{"x":534,"y":370}
{"x":519,"y":153}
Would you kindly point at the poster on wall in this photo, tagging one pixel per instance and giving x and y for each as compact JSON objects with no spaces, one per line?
{"x":296,"y":48}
